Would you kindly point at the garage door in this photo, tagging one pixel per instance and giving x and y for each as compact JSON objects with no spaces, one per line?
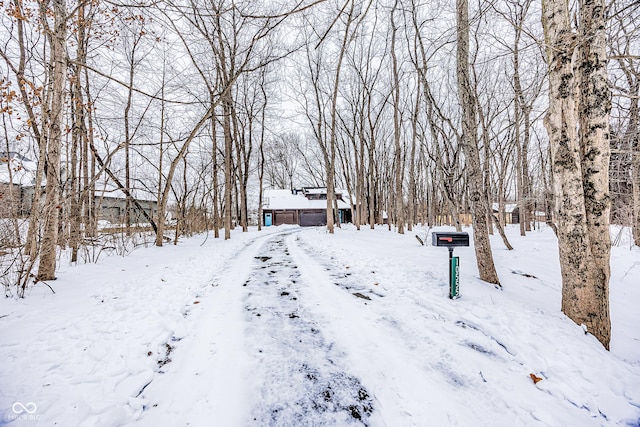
{"x":310,"y":219}
{"x":284,"y":218}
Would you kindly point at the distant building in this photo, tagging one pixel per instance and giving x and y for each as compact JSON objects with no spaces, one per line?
{"x":17,"y":180}
{"x":511,"y":212}
{"x":17,"y":189}
{"x":304,"y":207}
{"x":111,"y":206}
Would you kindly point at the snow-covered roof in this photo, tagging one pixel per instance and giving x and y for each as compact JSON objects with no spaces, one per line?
{"x":321,"y":190}
{"x":283,"y":199}
{"x":109,"y":189}
{"x":273,"y":193}
{"x":17,"y":170}
{"x":315,"y":190}
{"x":23,"y":172}
{"x":508,"y":207}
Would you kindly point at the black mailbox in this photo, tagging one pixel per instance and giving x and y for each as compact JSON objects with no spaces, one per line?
{"x":450,"y":240}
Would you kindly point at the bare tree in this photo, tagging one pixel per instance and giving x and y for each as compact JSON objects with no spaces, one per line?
{"x":261,"y":158}
{"x":577,"y":64}
{"x":58,"y":64}
{"x":484,"y":255}
{"x":331,"y":157}
{"x":282,"y":160}
{"x":625,"y":144}
{"x":233,"y":35}
{"x":397,"y":125}
{"x":32,"y":94}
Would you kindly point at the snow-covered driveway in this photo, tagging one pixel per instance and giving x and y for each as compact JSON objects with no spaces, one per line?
{"x":261,"y":355}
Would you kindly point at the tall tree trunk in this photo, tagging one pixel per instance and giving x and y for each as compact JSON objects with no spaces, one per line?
{"x":360,"y":185}
{"x":517,"y":107}
{"x":633,"y":132}
{"x":371,"y":183}
{"x":595,"y":107}
{"x":74,"y":182}
{"x":182,"y":226}
{"x":31,"y":245}
{"x":13,"y":199}
{"x":491,"y":217}
{"x":79,"y":136}
{"x":161,"y":210}
{"x":580,"y":162}
{"x":486,"y":169}
{"x":522,"y":111}
{"x":228,"y":165}
{"x":484,"y":255}
{"x":519,"y":179}
{"x":397,"y":159}
{"x":214,"y":156}
{"x":245,"y":154}
{"x":261,"y":160}
{"x":127,"y":139}
{"x":236,"y":203}
{"x":226,"y":73}
{"x":361,"y":193}
{"x":47,"y":266}
{"x":240,"y":141}
{"x":636,"y":188}
{"x":331,"y":166}
{"x":89,"y":166}
{"x":524,"y":165}
{"x":371,"y":164}
{"x":413,"y":202}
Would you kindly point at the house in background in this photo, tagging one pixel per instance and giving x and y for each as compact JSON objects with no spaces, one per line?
{"x":511,"y":213}
{"x":305,"y":207}
{"x":112,"y":208}
{"x":14,"y":199}
{"x":17,"y":179}
{"x":17,"y":190}
{"x":111,"y":203}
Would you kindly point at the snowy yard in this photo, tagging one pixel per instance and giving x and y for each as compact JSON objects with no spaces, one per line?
{"x":296,"y":327}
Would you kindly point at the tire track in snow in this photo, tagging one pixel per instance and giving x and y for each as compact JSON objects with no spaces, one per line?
{"x":299,"y":376}
{"x":411,"y":372}
{"x":218,"y":376}
{"x":205,"y":383}
{"x":473,"y":352}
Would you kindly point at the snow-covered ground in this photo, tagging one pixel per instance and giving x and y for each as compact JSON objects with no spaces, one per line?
{"x":296,"y":327}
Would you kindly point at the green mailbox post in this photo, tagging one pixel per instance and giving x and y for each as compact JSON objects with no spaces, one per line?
{"x":452,"y":240}
{"x":454,"y":269}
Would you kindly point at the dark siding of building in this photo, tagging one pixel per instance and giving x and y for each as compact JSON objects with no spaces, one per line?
{"x":515,"y":216}
{"x":284,"y":217}
{"x":313,"y":218}
{"x":304,"y":218}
